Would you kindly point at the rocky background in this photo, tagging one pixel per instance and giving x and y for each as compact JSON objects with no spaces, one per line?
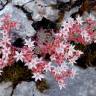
{"x":34,"y":14}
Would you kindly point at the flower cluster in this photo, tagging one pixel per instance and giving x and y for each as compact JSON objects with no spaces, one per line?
{"x":6,"y":49}
{"x":80,"y":30}
{"x":57,"y":56}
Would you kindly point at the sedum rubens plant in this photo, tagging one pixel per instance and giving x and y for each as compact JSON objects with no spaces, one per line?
{"x":81,"y":30}
{"x":60,"y":52}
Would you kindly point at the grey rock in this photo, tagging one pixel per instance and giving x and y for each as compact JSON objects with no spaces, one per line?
{"x":39,"y":12}
{"x":2,"y":3}
{"x":84,"y":84}
{"x":64,"y":1}
{"x":27,"y":89}
{"x":40,"y":9}
{"x":20,"y":2}
{"x":5,"y":89}
{"x":51,"y":14}
{"x":25,"y":28}
{"x":71,"y":11}
{"x":48,"y":2}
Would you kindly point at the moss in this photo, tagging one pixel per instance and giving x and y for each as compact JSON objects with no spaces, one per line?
{"x":79,"y":46}
{"x":42,"y":85}
{"x":88,"y":59}
{"x":17,"y":73}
